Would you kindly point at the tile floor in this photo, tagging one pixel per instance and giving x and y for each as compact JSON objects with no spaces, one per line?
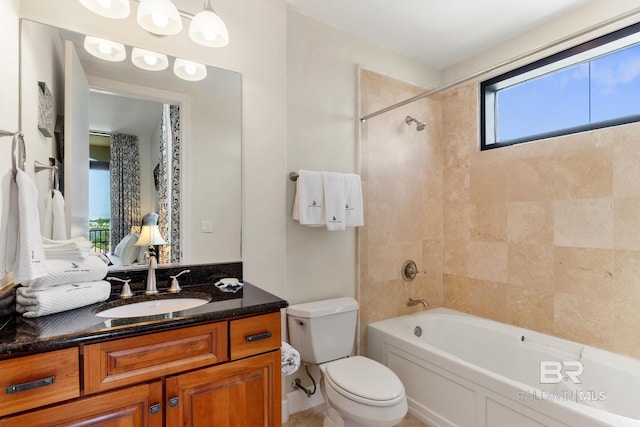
{"x":313,"y":418}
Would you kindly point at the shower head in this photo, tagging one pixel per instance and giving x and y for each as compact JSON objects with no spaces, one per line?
{"x":419,"y":125}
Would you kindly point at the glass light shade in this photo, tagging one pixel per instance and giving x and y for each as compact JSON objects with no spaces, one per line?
{"x":159,"y":17}
{"x":208,"y":29}
{"x":115,"y":9}
{"x":188,"y":70}
{"x":150,"y":236}
{"x":148,"y":60}
{"x":105,"y":49}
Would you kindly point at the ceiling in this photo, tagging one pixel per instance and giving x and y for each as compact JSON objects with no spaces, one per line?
{"x":439,"y":33}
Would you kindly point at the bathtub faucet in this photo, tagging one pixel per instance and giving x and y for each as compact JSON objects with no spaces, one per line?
{"x":411,"y":302}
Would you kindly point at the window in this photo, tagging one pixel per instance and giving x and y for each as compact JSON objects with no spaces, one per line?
{"x":590,"y":86}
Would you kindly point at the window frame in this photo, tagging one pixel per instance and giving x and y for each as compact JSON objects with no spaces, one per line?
{"x":582,"y":53}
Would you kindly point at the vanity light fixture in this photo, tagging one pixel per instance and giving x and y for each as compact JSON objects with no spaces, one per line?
{"x":163,"y":18}
{"x":160,"y":17}
{"x":114,"y":9}
{"x":208,"y":29}
{"x":148,"y":60}
{"x":105,"y":49}
{"x":189,"y":70}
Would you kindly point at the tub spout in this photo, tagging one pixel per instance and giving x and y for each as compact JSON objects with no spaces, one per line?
{"x":411,"y":302}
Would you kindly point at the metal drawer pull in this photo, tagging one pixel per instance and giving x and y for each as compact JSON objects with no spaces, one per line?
{"x":30,"y":385}
{"x":258,"y":337}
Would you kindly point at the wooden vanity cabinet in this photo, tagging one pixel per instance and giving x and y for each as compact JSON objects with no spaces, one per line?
{"x":183,"y":377}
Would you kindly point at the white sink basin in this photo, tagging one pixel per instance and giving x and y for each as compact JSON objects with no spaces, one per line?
{"x":152,"y":307}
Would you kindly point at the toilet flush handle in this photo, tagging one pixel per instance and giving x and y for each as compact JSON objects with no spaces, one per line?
{"x":301,"y":322}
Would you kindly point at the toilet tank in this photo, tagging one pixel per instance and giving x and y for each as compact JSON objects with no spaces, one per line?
{"x":323,"y":330}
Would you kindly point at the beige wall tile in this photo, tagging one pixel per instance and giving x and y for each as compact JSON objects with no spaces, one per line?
{"x":586,"y":223}
{"x":531,"y":267}
{"x":626,"y":219}
{"x":529,"y":179}
{"x":530,"y":222}
{"x":626,"y":169}
{"x":487,"y":261}
{"x":488,"y":183}
{"x":530,"y":307}
{"x":457,"y":292}
{"x":489,"y":222}
{"x":626,"y":303}
{"x":584,"y":174}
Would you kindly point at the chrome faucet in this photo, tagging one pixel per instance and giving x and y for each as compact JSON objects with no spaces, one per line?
{"x":152,"y":288}
{"x":411,"y":302}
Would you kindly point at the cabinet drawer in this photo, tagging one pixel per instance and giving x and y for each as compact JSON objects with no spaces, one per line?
{"x":254,"y":335}
{"x":40,"y":379}
{"x":131,"y":360}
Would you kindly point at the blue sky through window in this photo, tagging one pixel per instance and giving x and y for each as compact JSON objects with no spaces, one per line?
{"x":606,"y":88}
{"x":99,"y":194}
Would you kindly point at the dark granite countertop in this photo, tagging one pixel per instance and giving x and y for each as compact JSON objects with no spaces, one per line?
{"x":21,"y":336}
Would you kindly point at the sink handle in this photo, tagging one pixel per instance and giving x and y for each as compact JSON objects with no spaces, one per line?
{"x":126,"y":288}
{"x":175,"y":286}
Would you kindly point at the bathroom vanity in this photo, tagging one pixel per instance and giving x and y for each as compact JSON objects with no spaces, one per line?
{"x":216,"y":364}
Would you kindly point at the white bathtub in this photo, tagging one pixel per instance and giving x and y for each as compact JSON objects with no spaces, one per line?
{"x":472,"y":372}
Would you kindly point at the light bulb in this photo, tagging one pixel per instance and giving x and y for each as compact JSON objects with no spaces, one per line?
{"x":150,"y":59}
{"x":190,"y":69}
{"x":104,"y":48}
{"x":160,"y":20}
{"x":105,"y":3}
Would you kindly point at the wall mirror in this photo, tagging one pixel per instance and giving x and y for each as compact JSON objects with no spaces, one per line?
{"x":202,"y":212}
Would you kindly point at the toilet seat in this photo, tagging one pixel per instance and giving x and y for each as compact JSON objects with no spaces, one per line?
{"x":364,"y":381}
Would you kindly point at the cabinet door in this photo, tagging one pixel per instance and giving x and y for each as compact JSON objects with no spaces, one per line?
{"x":237,"y":394}
{"x":130,"y":407}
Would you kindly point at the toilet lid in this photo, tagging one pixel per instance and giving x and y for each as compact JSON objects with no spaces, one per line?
{"x":365,"y":380}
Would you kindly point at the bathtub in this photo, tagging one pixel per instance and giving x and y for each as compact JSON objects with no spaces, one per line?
{"x":467,"y":371}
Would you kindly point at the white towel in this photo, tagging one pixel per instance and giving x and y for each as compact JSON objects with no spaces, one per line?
{"x":353,"y":205}
{"x":60,"y":298}
{"x":72,"y":249}
{"x":62,"y":272}
{"x":334,"y":200}
{"x":21,"y":252}
{"x":290,"y":359}
{"x":309,"y":199}
{"x":54,"y":225}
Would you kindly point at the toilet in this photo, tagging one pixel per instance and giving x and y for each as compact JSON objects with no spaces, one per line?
{"x":358,"y":391}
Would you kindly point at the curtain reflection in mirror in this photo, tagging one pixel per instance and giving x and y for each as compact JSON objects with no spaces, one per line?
{"x":169,"y":184}
{"x":125,"y":185}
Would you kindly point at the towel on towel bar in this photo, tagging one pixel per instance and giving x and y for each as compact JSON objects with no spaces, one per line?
{"x":308,"y":205}
{"x":54,"y":225}
{"x":62,"y":272}
{"x":334,"y":200}
{"x":21,"y":249}
{"x":60,"y":298}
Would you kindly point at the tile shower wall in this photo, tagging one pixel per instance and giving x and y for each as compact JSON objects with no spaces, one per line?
{"x":544,"y":235}
{"x":402,"y":183}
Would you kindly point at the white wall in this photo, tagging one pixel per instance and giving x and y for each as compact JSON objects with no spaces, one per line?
{"x":42,"y":60}
{"x":590,"y":15}
{"x":322,"y":134}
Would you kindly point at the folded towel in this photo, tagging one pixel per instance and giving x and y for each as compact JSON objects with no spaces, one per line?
{"x":290,"y":358}
{"x":60,"y":298}
{"x":308,"y":203}
{"x":62,"y":272}
{"x":72,"y":249}
{"x":21,"y":252}
{"x":334,"y":200}
{"x":54,"y":225}
{"x":353,"y":205}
